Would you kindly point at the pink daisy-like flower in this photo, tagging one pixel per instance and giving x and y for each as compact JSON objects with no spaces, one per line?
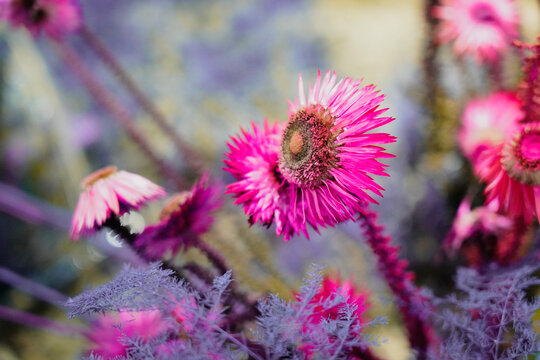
{"x":55,"y":18}
{"x":107,"y":333}
{"x":184,"y":219}
{"x":488,"y":122}
{"x":480,"y":28}
{"x":512,"y":173}
{"x":317,"y":169}
{"x":107,"y":192}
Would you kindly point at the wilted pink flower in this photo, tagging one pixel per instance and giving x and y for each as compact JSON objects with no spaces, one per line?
{"x":107,"y":333}
{"x":512,"y":174}
{"x":184,"y":219}
{"x":55,"y":18}
{"x":109,"y":191}
{"x":317,"y":170}
{"x":488,"y":122}
{"x":480,"y":28}
{"x":482,"y":221}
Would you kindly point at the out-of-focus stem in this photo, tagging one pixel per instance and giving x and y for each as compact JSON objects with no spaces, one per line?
{"x":107,"y":99}
{"x":430,"y":52}
{"x":399,"y":280}
{"x":31,"y":287}
{"x":215,"y":258}
{"x":36,"y":321}
{"x":114,"y":66}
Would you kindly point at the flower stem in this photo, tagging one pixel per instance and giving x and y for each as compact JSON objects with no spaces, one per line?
{"x":36,"y":321}
{"x":31,"y":287}
{"x":215,"y":258}
{"x":107,"y":99}
{"x":144,"y":102}
{"x":399,"y":280}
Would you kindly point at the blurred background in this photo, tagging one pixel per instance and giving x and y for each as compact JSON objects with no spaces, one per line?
{"x":211,"y":67}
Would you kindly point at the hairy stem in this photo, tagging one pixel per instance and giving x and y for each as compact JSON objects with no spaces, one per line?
{"x":110,"y":102}
{"x":399,"y":280}
{"x":144,"y":102}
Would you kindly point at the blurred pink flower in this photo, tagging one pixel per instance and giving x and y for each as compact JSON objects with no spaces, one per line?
{"x":107,"y":333}
{"x":488,"y":122}
{"x":480,"y":28}
{"x":55,"y":18}
{"x":184,"y":219}
{"x":512,"y":174}
{"x":482,"y":220}
{"x":109,"y":191}
{"x":326,"y":157}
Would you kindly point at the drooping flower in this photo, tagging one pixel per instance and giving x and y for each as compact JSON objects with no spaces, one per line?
{"x":512,"y":174}
{"x":480,"y":28}
{"x":488,"y":122}
{"x":55,"y":18}
{"x":184,"y":219}
{"x":317,"y":170}
{"x":108,"y":332}
{"x":109,"y":192}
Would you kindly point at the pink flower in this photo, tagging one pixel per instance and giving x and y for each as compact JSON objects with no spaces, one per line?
{"x":184,"y":219}
{"x":488,"y":122}
{"x":317,"y":169}
{"x":480,"y":28}
{"x":107,"y":192}
{"x":330,"y":287}
{"x":108,"y":332}
{"x":55,"y":18}
{"x":482,"y":221}
{"x":512,"y":174}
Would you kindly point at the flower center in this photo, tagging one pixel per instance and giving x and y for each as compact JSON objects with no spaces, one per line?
{"x":521,"y":157}
{"x":308,"y":148}
{"x":174,"y":204}
{"x":94,"y":177}
{"x":483,"y":12}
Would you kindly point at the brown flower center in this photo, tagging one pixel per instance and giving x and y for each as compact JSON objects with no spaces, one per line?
{"x":174,"y":204}
{"x":94,"y":177}
{"x":308,"y":148}
{"x":521,"y":156}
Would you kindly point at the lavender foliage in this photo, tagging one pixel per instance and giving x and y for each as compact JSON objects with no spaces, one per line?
{"x":492,"y":317}
{"x":286,"y":329}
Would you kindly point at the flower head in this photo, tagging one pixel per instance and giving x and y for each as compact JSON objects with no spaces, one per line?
{"x":317,"y":169}
{"x":480,"y":28}
{"x":488,"y":122}
{"x":107,"y":192}
{"x":184,"y":219}
{"x":55,"y":18}
{"x":108,"y":332}
{"x":512,"y":173}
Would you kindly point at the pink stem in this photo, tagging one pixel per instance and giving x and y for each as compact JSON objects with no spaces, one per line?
{"x":36,"y":321}
{"x":31,"y":287}
{"x":116,"y":109}
{"x":114,"y":66}
{"x":399,"y":280}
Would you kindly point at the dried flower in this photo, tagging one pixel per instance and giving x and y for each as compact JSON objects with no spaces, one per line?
{"x":480,"y":28}
{"x":55,"y":18}
{"x":184,"y":219}
{"x":107,"y":192}
{"x":318,"y":173}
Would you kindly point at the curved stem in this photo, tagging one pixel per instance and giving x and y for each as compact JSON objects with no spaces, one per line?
{"x":399,"y":280}
{"x":107,"y":99}
{"x":36,"y":321}
{"x":127,"y":81}
{"x":215,"y":258}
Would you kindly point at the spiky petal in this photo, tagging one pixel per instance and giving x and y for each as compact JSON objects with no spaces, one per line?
{"x":108,"y":192}
{"x":481,"y":28}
